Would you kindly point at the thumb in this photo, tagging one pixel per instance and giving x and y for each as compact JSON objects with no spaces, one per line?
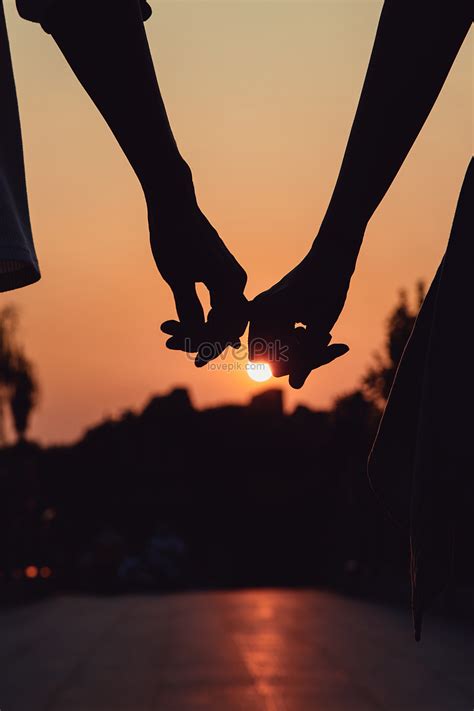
{"x":336,"y":350}
{"x":310,"y":362}
{"x":188,"y":307}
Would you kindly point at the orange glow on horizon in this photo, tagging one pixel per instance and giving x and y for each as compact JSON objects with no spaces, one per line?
{"x":261,"y":98}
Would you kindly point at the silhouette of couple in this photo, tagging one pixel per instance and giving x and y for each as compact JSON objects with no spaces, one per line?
{"x":420,"y":462}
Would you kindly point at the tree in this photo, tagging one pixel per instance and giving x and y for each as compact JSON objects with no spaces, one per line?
{"x":18,"y":385}
{"x":379,"y":378}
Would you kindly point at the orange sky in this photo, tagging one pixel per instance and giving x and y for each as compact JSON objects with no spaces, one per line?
{"x":261,"y":96}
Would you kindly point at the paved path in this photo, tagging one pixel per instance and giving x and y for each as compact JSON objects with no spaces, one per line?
{"x":241,"y":651}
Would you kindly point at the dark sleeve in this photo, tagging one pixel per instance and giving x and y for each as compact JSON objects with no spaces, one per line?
{"x":37,"y":10}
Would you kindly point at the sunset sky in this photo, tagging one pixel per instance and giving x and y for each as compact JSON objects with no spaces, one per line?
{"x":261,"y":96}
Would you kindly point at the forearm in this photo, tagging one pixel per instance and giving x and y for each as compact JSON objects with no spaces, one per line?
{"x":106,"y":46}
{"x":415,"y":46}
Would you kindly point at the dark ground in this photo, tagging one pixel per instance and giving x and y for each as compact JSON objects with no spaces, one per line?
{"x":266,"y":650}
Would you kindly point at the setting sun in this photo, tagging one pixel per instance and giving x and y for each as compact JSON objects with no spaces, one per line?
{"x":259,"y":371}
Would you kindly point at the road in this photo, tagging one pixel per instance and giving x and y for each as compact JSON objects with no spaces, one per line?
{"x":267,"y":650}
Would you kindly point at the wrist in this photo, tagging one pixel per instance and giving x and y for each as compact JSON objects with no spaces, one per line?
{"x":171,"y":187}
{"x":336,"y":248}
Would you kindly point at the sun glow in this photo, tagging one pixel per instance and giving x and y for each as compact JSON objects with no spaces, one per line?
{"x":259,"y":372}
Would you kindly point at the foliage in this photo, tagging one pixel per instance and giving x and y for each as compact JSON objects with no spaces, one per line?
{"x":380,"y":376}
{"x":18,"y":385}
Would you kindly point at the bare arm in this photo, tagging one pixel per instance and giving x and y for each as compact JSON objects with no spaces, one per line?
{"x":415,"y":46}
{"x":106,"y":46}
{"x":414,"y":49}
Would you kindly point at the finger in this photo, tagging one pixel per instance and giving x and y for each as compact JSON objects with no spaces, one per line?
{"x":225,"y":324}
{"x":336,"y":350}
{"x":173,"y":344}
{"x":176,"y":343}
{"x":212,"y":346}
{"x":206,"y":341}
{"x":271,"y":339}
{"x":254,"y":336}
{"x":185,"y":332}
{"x":228,"y":318}
{"x":208,"y":352}
{"x":298,"y":377}
{"x":307,"y":362}
{"x":259,"y":331}
{"x":171,"y":327}
{"x":312,"y":339}
{"x":301,"y":366}
{"x":188,"y":306}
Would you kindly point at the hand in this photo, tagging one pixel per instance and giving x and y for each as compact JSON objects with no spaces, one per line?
{"x":187,"y":250}
{"x":312,"y":294}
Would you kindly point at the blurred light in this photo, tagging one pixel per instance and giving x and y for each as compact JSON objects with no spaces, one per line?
{"x":45,"y":572}
{"x":48,"y":515}
{"x":31,"y":572}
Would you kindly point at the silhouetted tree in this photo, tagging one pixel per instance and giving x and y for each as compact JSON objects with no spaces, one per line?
{"x":379,"y":378}
{"x":18,"y":385}
{"x":24,"y":395}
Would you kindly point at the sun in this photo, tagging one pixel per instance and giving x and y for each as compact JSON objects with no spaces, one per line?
{"x":259,"y":372}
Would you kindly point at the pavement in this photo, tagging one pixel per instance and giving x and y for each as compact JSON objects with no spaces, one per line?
{"x":264,"y":650}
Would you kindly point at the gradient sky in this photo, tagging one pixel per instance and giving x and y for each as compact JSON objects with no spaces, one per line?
{"x":261,"y":96}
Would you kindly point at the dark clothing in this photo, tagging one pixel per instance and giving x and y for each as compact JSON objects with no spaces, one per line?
{"x":18,"y":261}
{"x":37,"y":10}
{"x":421,"y":463}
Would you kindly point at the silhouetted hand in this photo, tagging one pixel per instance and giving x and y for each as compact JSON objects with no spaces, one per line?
{"x":312,"y":294}
{"x":187,"y":250}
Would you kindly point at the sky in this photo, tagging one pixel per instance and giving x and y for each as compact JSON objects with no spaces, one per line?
{"x":261,"y":95}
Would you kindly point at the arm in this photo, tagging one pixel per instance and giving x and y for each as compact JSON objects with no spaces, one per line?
{"x":106,"y":46}
{"x":415,"y":46}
